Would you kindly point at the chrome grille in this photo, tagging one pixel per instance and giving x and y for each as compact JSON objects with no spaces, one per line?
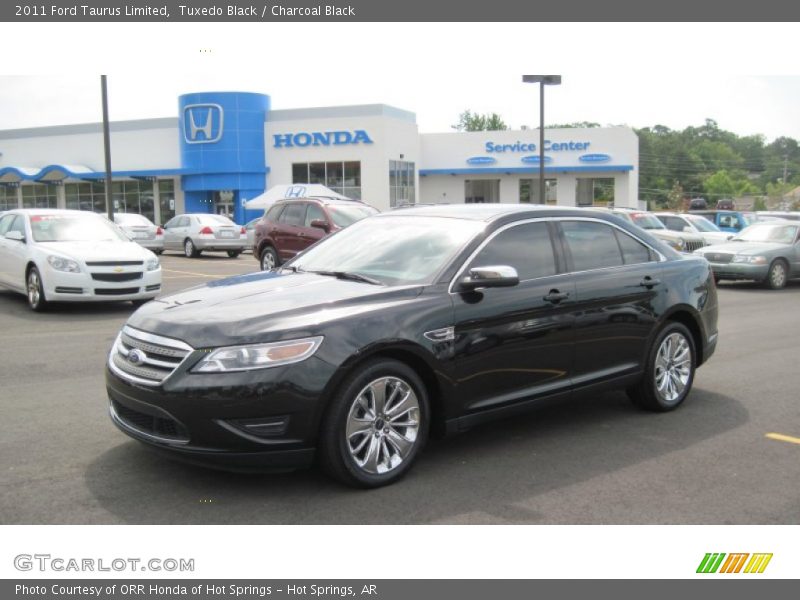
{"x":691,"y":246}
{"x":155,"y":359}
{"x":718,"y":257}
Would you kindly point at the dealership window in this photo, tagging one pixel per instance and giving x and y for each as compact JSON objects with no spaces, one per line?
{"x":128,"y":196}
{"x":166,"y":199}
{"x":481,"y":191}
{"x":595,"y":191}
{"x":342,"y":177}
{"x":38,"y":196}
{"x":8,"y":198}
{"x":529,"y":191}
{"x":402,"y":177}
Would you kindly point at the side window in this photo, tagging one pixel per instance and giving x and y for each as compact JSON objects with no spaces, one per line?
{"x":274,"y":213}
{"x":592,"y":245}
{"x":727,"y":221}
{"x":314,"y":213}
{"x":294,"y":214}
{"x":182,"y":222}
{"x":633,"y":251}
{"x":172,"y":222}
{"x":525,"y":247}
{"x":673,"y":223}
{"x":18,"y":225}
{"x":5,"y":224}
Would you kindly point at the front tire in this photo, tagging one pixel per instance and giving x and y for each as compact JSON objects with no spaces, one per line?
{"x":777,"y":275}
{"x":35,"y":289}
{"x":670,"y":369}
{"x":376,"y":425}
{"x":234,"y":253}
{"x":269,"y":259}
{"x":189,"y":250}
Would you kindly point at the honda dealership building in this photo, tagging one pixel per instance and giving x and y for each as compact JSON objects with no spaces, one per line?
{"x":225,"y":148}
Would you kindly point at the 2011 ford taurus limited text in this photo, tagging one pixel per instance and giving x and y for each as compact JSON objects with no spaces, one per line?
{"x":420,"y":321}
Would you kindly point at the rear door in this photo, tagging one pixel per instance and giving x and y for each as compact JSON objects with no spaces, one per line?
{"x":174,"y":232}
{"x":514,"y":343}
{"x":14,"y":257}
{"x":6,"y":247}
{"x":617,"y":281}
{"x":288,"y":238}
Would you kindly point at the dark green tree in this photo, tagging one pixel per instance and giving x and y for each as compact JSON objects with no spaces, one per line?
{"x":470,"y":121}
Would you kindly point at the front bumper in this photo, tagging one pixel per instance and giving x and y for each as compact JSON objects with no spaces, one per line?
{"x":740,"y":271}
{"x":254,"y":421}
{"x":60,"y":286}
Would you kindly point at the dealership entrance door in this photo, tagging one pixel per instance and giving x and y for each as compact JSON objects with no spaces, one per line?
{"x":223,"y":203}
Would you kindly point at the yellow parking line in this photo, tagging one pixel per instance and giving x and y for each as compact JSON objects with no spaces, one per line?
{"x":783,"y":438}
{"x":190,"y":273}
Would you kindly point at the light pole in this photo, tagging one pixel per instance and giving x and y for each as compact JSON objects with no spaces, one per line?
{"x":542,"y":80}
{"x":107,"y":149}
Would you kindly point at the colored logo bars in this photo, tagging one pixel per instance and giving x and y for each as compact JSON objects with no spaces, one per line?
{"x":733,"y":563}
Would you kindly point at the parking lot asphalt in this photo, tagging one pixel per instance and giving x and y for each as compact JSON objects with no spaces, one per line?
{"x":592,"y":460}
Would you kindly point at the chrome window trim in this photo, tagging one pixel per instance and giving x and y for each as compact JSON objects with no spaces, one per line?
{"x":460,"y":272}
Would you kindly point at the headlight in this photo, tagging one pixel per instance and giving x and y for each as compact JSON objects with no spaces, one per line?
{"x":677,"y":244}
{"x":152,"y":263}
{"x":63,"y":264}
{"x":258,"y":356}
{"x":753,"y":260}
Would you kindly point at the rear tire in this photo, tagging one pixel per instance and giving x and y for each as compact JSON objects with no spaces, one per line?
{"x":269,"y":259}
{"x":777,"y":275}
{"x":375,"y":426}
{"x":35,"y":288}
{"x":189,"y":249}
{"x":234,"y":253}
{"x":669,"y":373}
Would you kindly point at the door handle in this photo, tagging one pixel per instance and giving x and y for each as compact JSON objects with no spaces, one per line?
{"x":555,"y":296}
{"x":648,"y":282}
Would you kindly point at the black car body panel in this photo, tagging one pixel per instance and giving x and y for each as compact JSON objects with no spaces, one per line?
{"x":482,"y":354}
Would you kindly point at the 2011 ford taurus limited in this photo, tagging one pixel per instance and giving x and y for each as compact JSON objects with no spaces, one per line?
{"x":424,"y":320}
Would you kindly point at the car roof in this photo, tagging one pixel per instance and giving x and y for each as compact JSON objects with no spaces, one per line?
{"x":487,"y":212}
{"x":321,"y":200}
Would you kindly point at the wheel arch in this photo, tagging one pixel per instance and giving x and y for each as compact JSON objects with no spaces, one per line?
{"x":688,"y":317}
{"x":415,"y":357}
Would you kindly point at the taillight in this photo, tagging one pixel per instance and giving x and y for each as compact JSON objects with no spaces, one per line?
{"x":159,"y":231}
{"x":206,"y":231}
{"x":243,"y":231}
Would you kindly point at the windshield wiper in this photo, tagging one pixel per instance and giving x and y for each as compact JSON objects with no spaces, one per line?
{"x":350,"y":276}
{"x":293,"y":269}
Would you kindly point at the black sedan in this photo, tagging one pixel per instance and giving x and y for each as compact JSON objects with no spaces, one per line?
{"x":426,"y":320}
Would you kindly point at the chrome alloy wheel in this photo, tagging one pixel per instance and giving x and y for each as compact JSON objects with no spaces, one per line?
{"x":34,"y":288}
{"x":777,"y":275}
{"x":673,"y":367}
{"x":382,"y":425}
{"x":267,"y":261}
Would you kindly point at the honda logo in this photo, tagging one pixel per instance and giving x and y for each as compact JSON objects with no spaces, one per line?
{"x":202,"y":123}
{"x":295,"y":191}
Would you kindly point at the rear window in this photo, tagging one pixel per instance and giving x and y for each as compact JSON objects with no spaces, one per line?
{"x":131,"y":219}
{"x":347,"y":215}
{"x":215,"y":220}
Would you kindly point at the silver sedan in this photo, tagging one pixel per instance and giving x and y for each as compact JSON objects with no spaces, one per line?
{"x":141,"y":230}
{"x":196,"y":233}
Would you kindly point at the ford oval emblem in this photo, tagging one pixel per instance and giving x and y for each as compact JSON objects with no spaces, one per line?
{"x":136,"y":356}
{"x":535,"y":159}
{"x":594,"y":158}
{"x":481,"y":160}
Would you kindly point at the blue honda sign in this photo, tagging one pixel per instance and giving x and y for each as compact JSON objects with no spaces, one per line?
{"x":320,"y":138}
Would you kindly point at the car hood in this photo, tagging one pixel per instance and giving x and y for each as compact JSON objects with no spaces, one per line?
{"x":263,"y":306}
{"x":746,"y":248}
{"x":668,"y":234}
{"x":97,"y":251}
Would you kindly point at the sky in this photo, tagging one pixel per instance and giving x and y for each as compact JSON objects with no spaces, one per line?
{"x":614,"y":74}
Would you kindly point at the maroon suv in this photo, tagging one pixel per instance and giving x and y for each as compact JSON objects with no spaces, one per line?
{"x":291,"y":226}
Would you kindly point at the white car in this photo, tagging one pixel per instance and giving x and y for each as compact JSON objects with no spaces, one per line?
{"x":694,"y":224}
{"x":73,"y":256}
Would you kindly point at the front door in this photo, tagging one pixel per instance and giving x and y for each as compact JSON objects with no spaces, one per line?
{"x":516,"y":342}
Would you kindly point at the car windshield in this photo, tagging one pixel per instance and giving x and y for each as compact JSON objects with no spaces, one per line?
{"x":74,"y":228}
{"x":749,"y":218}
{"x":769,"y":232}
{"x":128,"y":220}
{"x":344,"y":216}
{"x":394,"y":250}
{"x":703,"y":224}
{"x":647,"y":221}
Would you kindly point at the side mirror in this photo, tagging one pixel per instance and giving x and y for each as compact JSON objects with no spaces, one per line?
{"x":320,"y":224}
{"x":17,"y":236}
{"x":489,"y":277}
